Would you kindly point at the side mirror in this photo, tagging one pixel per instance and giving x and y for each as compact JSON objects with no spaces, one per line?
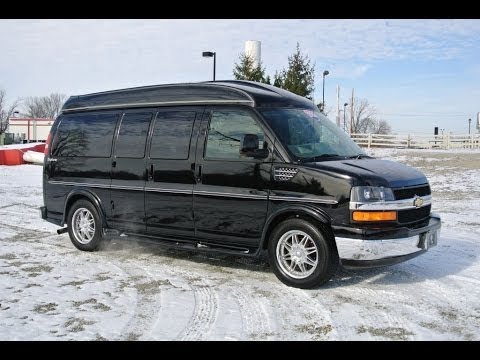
{"x":249,"y":147}
{"x":248,"y":143}
{"x":261,"y":153}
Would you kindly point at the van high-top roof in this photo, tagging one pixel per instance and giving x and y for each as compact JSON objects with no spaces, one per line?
{"x":204,"y":93}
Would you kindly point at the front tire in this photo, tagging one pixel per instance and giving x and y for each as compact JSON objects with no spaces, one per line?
{"x":84,"y":226}
{"x":302,"y":255}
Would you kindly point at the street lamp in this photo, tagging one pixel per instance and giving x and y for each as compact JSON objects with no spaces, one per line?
{"x":210,"y":54}
{"x":15,"y":112}
{"x":469,"y":122}
{"x":325,"y":73}
{"x":344,"y":122}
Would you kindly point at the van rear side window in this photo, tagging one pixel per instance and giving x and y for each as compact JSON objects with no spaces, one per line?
{"x":171,"y":135}
{"x":85,"y":135}
{"x":133,"y":135}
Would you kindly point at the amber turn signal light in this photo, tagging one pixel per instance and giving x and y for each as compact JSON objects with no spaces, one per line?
{"x":374,"y":215}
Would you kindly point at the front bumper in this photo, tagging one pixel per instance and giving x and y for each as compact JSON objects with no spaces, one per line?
{"x":373,"y":249}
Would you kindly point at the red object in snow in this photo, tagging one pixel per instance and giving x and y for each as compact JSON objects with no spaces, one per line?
{"x":14,"y":155}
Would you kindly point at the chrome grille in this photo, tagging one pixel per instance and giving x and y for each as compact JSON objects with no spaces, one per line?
{"x":413,"y":215}
{"x":410,"y":192}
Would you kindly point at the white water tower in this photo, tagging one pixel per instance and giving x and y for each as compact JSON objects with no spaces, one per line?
{"x":253,"y":50}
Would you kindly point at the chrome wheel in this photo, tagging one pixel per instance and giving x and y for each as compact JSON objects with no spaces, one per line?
{"x":297,"y":254}
{"x":83,"y":225}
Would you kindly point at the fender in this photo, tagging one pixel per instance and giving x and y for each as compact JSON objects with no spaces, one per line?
{"x":306,"y":209}
{"x":90,"y":196}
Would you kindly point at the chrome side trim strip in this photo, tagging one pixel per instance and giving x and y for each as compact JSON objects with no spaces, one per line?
{"x":172,"y":191}
{"x":162,"y":103}
{"x":101,"y":186}
{"x":70,"y":183}
{"x":225,"y":194}
{"x":161,"y":190}
{"x":121,"y":187}
{"x":404,"y":204}
{"x":303,"y":199}
{"x":196,"y":192}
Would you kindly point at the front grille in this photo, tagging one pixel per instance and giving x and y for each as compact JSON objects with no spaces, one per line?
{"x":410,"y":192}
{"x":413,"y":215}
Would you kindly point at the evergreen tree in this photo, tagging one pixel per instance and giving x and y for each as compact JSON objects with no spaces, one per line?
{"x":299,"y":77}
{"x":245,"y":70}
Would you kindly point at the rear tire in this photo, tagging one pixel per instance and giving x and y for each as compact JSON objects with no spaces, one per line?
{"x":85,"y":226}
{"x":301,"y":254}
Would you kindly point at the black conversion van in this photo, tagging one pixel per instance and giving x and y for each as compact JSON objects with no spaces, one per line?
{"x":232,"y":166}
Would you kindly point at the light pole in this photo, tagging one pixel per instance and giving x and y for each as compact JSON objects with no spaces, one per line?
{"x":344,"y":122}
{"x":210,"y":54}
{"x":325,"y":73}
{"x":469,"y":122}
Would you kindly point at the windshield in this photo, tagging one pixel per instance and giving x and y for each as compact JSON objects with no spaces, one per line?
{"x":309,"y":135}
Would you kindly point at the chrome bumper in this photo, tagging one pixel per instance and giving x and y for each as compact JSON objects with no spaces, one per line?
{"x":366,"y":250}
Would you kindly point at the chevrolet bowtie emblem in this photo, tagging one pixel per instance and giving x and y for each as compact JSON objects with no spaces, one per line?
{"x":417,"y":201}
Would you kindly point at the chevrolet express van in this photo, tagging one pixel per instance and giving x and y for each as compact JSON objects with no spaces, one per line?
{"x":232,"y":166}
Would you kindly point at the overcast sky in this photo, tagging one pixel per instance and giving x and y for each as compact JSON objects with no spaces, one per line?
{"x":417,"y":73}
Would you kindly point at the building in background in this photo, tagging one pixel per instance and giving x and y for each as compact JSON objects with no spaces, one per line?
{"x":26,"y":130}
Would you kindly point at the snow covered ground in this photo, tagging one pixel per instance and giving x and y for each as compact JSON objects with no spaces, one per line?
{"x":136,"y":291}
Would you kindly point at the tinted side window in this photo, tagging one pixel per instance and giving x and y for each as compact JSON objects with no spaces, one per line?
{"x":225,"y":132}
{"x":171,"y":135}
{"x":85,"y":135}
{"x":132,"y":135}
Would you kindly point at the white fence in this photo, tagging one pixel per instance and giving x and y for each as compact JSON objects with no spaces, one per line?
{"x":446,"y":141}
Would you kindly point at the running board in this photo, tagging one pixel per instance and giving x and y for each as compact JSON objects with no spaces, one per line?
{"x":224,"y":248}
{"x":179,"y":244}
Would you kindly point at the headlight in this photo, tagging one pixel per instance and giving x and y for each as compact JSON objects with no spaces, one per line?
{"x":371,"y":194}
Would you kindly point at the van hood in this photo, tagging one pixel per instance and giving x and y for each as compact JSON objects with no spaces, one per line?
{"x":373,"y":172}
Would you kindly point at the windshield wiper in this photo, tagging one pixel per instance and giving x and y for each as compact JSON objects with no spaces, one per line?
{"x":359,"y":156}
{"x":323,"y":156}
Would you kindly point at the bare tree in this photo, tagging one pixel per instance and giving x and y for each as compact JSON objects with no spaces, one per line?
{"x":381,"y":127}
{"x":365,"y":119}
{"x":44,"y":106}
{"x":6,"y":112}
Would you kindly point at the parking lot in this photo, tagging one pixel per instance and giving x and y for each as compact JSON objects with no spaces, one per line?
{"x":136,"y":291}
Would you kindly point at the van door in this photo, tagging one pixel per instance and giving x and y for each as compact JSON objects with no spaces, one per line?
{"x":230,"y":199}
{"x":129,"y":171}
{"x":169,"y":189}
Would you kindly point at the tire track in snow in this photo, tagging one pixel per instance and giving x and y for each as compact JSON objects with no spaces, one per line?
{"x":318,"y":321}
{"x":205,"y":311}
{"x":26,"y":234}
{"x":10,"y":205}
{"x":374,"y":316}
{"x":255,"y":319}
{"x":148,"y":300}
